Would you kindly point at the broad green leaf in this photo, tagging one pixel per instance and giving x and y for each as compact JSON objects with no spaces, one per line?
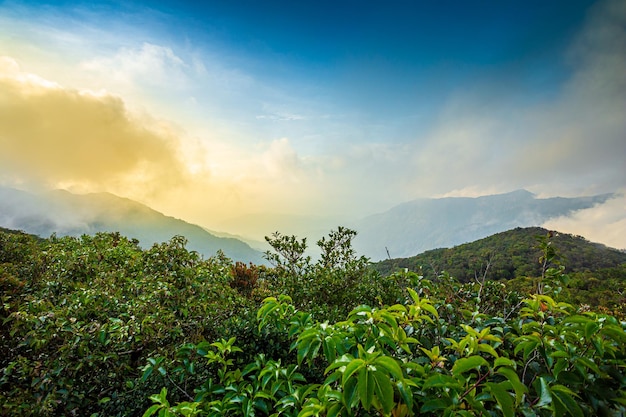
{"x":390,"y":365}
{"x":429,"y":308}
{"x":576,"y":318}
{"x":365,"y":387}
{"x":329,"y":349}
{"x":151,"y":410}
{"x":334,"y":410}
{"x":504,"y":399}
{"x":350,"y":394}
{"x":435,"y":404}
{"x":383,"y":390}
{"x":483,"y":347}
{"x":351,"y":368}
{"x":466,"y":364}
{"x":544,"y":393}
{"x":591,"y":328}
{"x":614,"y":332}
{"x":440,"y":380}
{"x":414,"y":295}
{"x":502,"y":361}
{"x":405,"y":394}
{"x":519,"y":388}
{"x":588,"y":363}
{"x":565,"y":403}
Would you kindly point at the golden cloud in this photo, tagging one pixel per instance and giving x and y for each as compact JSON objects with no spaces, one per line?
{"x":57,"y":135}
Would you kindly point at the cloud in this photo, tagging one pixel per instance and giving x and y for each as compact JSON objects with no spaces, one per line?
{"x":60,"y":136}
{"x":604,"y":223}
{"x":87,"y":142}
{"x":570,"y":141}
{"x":150,"y":64}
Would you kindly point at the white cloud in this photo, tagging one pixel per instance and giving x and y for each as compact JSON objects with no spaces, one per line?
{"x":148,"y":64}
{"x":570,"y":143}
{"x":604,"y":223}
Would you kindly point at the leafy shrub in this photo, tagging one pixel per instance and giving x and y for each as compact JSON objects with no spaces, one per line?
{"x":97,"y":325}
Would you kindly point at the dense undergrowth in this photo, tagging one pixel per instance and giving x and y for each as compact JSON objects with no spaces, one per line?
{"x":99,"y":326}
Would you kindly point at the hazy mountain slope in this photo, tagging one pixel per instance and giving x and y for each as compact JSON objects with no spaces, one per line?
{"x":424,"y":224}
{"x":65,"y":213}
{"x":510,"y":254}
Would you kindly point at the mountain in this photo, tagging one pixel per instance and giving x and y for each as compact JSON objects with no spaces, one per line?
{"x":510,"y":254}
{"x":64,"y":213}
{"x":423,"y":224}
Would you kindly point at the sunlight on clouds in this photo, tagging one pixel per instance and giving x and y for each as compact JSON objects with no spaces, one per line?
{"x":195,"y":132}
{"x":10,"y":70}
{"x":87,"y":142}
{"x":59,"y":136}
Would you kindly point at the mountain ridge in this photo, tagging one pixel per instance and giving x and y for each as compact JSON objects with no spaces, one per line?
{"x":422,"y":224}
{"x":66,"y":213}
{"x":402,"y":231}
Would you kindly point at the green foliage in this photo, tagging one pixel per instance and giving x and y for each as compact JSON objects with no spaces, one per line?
{"x":332,"y":286}
{"x":548,"y":361}
{"x":89,"y":311}
{"x":99,"y":326}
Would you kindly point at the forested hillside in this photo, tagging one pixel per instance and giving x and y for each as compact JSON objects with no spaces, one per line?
{"x":98,"y":326}
{"x":596,"y":273}
{"x":507,"y":255}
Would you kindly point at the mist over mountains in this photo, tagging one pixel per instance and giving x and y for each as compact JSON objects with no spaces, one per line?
{"x":68,"y":214}
{"x":423,"y":224}
{"x":402,"y":231}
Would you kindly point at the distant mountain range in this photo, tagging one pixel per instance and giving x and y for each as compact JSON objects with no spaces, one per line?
{"x":68,"y":214}
{"x":404,"y":230}
{"x":416,"y":226}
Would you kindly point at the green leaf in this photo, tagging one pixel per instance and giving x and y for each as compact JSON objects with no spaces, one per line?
{"x":351,"y":368}
{"x":334,"y":410}
{"x":503,"y":398}
{"x":383,"y":390}
{"x":591,"y":329}
{"x":483,"y":347}
{"x":151,"y":410}
{"x":429,"y":308}
{"x":519,"y":388}
{"x":365,"y":387}
{"x":588,"y":363}
{"x":565,"y":403}
{"x":440,"y":380}
{"x":390,"y":365}
{"x":405,"y":394}
{"x":435,"y":404}
{"x":544,"y":393}
{"x":616,"y":333}
{"x":350,"y":394}
{"x":502,"y":361}
{"x":466,"y":364}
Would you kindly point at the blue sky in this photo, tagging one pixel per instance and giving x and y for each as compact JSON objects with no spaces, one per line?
{"x":337,"y":109}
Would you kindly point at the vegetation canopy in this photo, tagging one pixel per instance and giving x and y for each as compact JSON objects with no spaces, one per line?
{"x":98,"y":326}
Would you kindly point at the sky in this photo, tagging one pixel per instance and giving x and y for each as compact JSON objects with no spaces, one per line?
{"x":210,"y":111}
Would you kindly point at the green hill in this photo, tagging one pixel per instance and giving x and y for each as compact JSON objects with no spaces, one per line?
{"x":507,"y":255}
